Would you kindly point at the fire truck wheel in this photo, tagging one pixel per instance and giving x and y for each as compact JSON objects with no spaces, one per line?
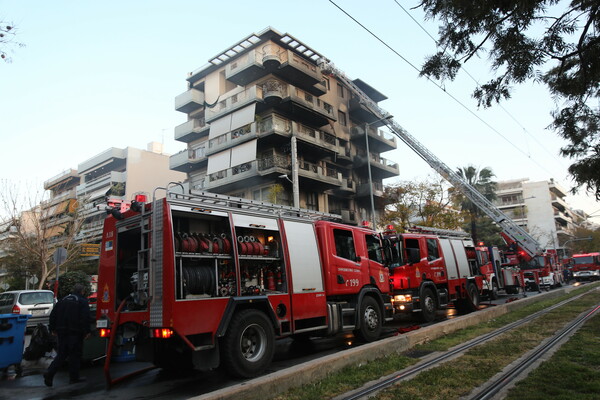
{"x":473,"y":300}
{"x":248,"y":346}
{"x":370,"y":320}
{"x":428,"y":305}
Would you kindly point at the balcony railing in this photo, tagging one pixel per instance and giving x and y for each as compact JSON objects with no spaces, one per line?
{"x":231,"y":138}
{"x":191,"y":130}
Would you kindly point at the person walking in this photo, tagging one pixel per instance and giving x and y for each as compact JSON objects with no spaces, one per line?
{"x":70,"y":322}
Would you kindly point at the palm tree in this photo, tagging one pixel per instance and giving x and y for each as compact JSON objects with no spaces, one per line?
{"x":482,"y":181}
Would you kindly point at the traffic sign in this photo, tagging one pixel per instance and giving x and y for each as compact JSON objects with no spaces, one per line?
{"x":60,"y":255}
{"x":90,"y":250}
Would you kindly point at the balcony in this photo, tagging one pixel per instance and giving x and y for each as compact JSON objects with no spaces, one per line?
{"x":271,"y":58}
{"x":188,"y":160}
{"x":191,"y":130}
{"x":557,"y":189}
{"x":64,"y":179}
{"x":364,"y":190}
{"x":231,"y":139}
{"x":562,"y":218}
{"x":558,"y":202}
{"x":347,"y":187}
{"x":381,"y":168}
{"x":315,"y":174}
{"x":101,"y":183}
{"x":348,"y":216}
{"x":316,"y":137}
{"x":189,"y":101}
{"x":234,"y":102}
{"x":379,"y":141}
{"x":107,"y":160}
{"x":237,"y":177}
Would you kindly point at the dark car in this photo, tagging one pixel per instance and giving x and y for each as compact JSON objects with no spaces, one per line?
{"x":37,"y":303}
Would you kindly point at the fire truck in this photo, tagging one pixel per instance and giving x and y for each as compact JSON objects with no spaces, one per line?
{"x":497,"y":273}
{"x":586,"y":266}
{"x":524,"y":251}
{"x":432,"y":268}
{"x":205,"y":280}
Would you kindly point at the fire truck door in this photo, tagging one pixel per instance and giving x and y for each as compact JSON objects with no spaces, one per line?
{"x":378,"y":274}
{"x":349,"y":263}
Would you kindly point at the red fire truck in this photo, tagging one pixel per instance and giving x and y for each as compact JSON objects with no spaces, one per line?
{"x":206,"y":280}
{"x":497,"y":274}
{"x":586,"y":266}
{"x":432,"y":268}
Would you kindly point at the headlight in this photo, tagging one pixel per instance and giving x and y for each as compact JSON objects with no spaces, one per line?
{"x":403,"y":298}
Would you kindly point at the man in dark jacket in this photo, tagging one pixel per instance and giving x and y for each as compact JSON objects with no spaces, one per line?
{"x":70,"y":322}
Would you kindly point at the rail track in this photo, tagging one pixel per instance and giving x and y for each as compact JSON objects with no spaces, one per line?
{"x":497,"y":385}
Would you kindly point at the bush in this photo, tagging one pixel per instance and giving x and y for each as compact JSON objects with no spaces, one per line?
{"x":67,"y":280}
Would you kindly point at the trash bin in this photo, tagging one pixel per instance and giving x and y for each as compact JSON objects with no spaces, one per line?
{"x":12,"y":340}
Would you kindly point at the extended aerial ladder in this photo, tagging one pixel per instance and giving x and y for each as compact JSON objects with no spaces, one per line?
{"x":512,"y":233}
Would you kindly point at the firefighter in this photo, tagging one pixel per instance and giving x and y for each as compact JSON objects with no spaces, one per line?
{"x":70,"y":322}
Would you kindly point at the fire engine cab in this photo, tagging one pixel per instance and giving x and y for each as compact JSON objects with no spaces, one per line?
{"x":433,"y":268}
{"x":205,"y":280}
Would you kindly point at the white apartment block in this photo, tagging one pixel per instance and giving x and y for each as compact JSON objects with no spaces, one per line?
{"x":541,"y":209}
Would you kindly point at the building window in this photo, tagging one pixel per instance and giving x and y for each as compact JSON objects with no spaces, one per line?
{"x":344,"y":244}
{"x":312,"y":201}
{"x":326,"y":83}
{"x":342,"y":118}
{"x":340,"y":90}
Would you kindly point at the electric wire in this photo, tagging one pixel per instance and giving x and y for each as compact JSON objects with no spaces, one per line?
{"x":442,"y":89}
{"x":477,"y":82}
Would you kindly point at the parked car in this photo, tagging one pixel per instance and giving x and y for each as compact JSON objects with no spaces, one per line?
{"x":37,"y":303}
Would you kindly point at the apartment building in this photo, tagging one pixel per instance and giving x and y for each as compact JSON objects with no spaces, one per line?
{"x":119,"y":174}
{"x":59,"y":208}
{"x":264,"y":123}
{"x":540,"y":207}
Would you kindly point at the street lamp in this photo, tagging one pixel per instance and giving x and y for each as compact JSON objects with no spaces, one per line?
{"x":367,"y":124}
{"x":294,"y":190}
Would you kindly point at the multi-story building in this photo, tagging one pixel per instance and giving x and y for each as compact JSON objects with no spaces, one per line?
{"x":119,"y":174}
{"x":59,"y":208}
{"x":540,"y":208}
{"x":264,"y":123}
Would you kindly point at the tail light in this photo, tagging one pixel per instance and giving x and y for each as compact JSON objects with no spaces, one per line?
{"x":16,"y":309}
{"x":162,"y":333}
{"x":104,"y":332}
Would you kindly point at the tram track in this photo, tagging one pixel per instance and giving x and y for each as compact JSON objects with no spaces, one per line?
{"x":508,"y":377}
{"x":372,"y":388}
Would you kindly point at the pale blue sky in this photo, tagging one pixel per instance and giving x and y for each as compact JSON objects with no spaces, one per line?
{"x":95,"y":75}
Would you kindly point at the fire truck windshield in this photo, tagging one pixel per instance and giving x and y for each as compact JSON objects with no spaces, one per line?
{"x":583,"y":260}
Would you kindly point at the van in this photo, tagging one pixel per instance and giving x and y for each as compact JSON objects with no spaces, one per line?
{"x":37,"y":303}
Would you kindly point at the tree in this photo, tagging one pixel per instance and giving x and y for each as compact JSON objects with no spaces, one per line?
{"x":35,"y":229}
{"x":419,"y":203}
{"x":482,"y":181}
{"x":584,"y":245}
{"x":550,"y":41}
{"x":7,"y":39}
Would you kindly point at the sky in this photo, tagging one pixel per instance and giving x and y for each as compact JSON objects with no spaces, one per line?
{"x":96,"y":75}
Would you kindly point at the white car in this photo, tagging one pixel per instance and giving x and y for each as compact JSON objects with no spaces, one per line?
{"x":37,"y":303}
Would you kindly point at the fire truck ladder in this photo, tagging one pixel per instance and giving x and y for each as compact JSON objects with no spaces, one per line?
{"x":439,"y":231}
{"x":222,"y":202}
{"x":512,"y":230}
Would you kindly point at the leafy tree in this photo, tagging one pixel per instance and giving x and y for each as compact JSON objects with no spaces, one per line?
{"x":550,"y":41}
{"x":585,"y":246}
{"x":419,"y":203}
{"x":482,"y":181}
{"x":67,"y":280}
{"x":32,"y":235}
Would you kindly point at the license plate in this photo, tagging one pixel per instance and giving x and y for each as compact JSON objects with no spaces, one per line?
{"x":102,"y":323}
{"x":37,"y":312}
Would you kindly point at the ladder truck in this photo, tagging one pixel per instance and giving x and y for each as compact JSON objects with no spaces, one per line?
{"x":526,"y":252}
{"x":206,"y":280}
